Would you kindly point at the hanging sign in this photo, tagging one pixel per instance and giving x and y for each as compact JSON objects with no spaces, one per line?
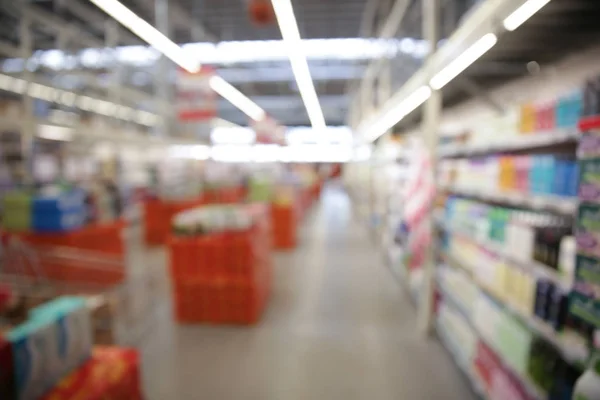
{"x":268,"y":131}
{"x":196,"y":100}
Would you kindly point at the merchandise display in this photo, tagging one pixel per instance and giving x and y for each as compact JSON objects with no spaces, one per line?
{"x":110,"y":373}
{"x":524,"y":174}
{"x":220,"y":264}
{"x":520,"y":261}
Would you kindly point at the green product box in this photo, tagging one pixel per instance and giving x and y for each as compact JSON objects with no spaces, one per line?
{"x":588,"y":230}
{"x":585,"y":306}
{"x":588,"y":270}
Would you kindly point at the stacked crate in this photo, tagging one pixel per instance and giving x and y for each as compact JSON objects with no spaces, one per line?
{"x":222,"y":277}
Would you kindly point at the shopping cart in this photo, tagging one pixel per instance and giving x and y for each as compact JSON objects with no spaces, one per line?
{"x":121,"y":303}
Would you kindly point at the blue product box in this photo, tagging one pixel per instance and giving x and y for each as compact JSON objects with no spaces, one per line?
{"x":561,"y":112}
{"x":561,"y":177}
{"x":61,"y":202}
{"x":59,"y":221}
{"x":536,"y":175}
{"x":547,"y":174}
{"x":573,"y":187}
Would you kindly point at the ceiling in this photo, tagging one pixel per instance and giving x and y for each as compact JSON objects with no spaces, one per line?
{"x":560,"y":27}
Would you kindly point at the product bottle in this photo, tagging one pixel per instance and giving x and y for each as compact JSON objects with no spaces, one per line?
{"x":587,"y":386}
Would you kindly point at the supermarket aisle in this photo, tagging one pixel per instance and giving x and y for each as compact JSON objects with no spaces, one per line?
{"x":338,"y":327}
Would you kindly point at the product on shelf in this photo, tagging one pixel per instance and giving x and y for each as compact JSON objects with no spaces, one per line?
{"x":527,"y":236}
{"x":534,"y":174}
{"x":588,"y":229}
{"x":499,"y":382}
{"x":588,"y":385}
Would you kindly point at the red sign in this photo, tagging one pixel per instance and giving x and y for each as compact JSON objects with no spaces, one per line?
{"x":268,"y":131}
{"x":196,"y":100}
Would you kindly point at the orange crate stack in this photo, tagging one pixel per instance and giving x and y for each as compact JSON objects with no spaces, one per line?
{"x":222,"y":277}
{"x":285,"y":220}
{"x":158,"y":215}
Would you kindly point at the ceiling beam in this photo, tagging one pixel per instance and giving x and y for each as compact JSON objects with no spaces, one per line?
{"x":98,"y":19}
{"x":180,"y":17}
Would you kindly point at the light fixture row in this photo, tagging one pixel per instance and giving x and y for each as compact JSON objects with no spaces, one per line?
{"x":179,"y":56}
{"x":291,"y":37}
{"x":451,"y":71}
{"x":71,"y":99}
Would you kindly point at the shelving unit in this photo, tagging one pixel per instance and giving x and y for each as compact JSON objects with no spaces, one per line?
{"x":470,"y":375}
{"x":514,"y":143}
{"x":532,"y":267}
{"x":562,"y":205}
{"x":532,"y":389}
{"x":572,"y":348}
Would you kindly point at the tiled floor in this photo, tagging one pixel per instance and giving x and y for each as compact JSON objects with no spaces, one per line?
{"x":338,"y":327}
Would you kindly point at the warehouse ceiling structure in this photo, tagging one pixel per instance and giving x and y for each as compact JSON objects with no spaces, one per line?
{"x":72,"y":41}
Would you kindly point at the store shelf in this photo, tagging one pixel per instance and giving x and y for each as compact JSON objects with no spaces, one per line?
{"x":452,"y":348}
{"x":400,"y":274}
{"x":515,"y":143}
{"x":531,"y":387}
{"x":558,"y":204}
{"x":533,"y":267}
{"x":573,"y":349}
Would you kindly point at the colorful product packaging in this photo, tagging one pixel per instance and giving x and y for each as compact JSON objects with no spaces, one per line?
{"x":589,"y":179}
{"x":111,"y":373}
{"x":588,"y":229}
{"x":53,"y":342}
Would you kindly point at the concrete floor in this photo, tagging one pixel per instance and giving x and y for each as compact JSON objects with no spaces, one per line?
{"x":338,"y":327}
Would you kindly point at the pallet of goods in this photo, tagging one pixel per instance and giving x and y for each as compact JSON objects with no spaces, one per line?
{"x":220,"y":264}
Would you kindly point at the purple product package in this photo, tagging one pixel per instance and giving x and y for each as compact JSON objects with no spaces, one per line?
{"x":589,"y":180}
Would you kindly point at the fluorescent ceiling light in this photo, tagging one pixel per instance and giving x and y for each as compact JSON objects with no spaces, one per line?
{"x":236,"y":98}
{"x":53,"y":132}
{"x":291,"y":35}
{"x":163,"y":44}
{"x":395,"y":114}
{"x":230,"y":52}
{"x":232,"y":135}
{"x":149,"y":33}
{"x":463,"y":61}
{"x":523,"y":13}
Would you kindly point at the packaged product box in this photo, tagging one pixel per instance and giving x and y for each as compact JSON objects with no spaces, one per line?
{"x":588,"y":230}
{"x":74,"y":327}
{"x":35,"y":351}
{"x":111,"y":373}
{"x":589,"y":179}
{"x":589,"y":145}
{"x":7,"y":378}
{"x":585,"y":305}
{"x":527,"y":123}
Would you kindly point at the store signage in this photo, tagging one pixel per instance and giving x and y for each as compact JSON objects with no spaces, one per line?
{"x":268,"y":131}
{"x":196,"y":100}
